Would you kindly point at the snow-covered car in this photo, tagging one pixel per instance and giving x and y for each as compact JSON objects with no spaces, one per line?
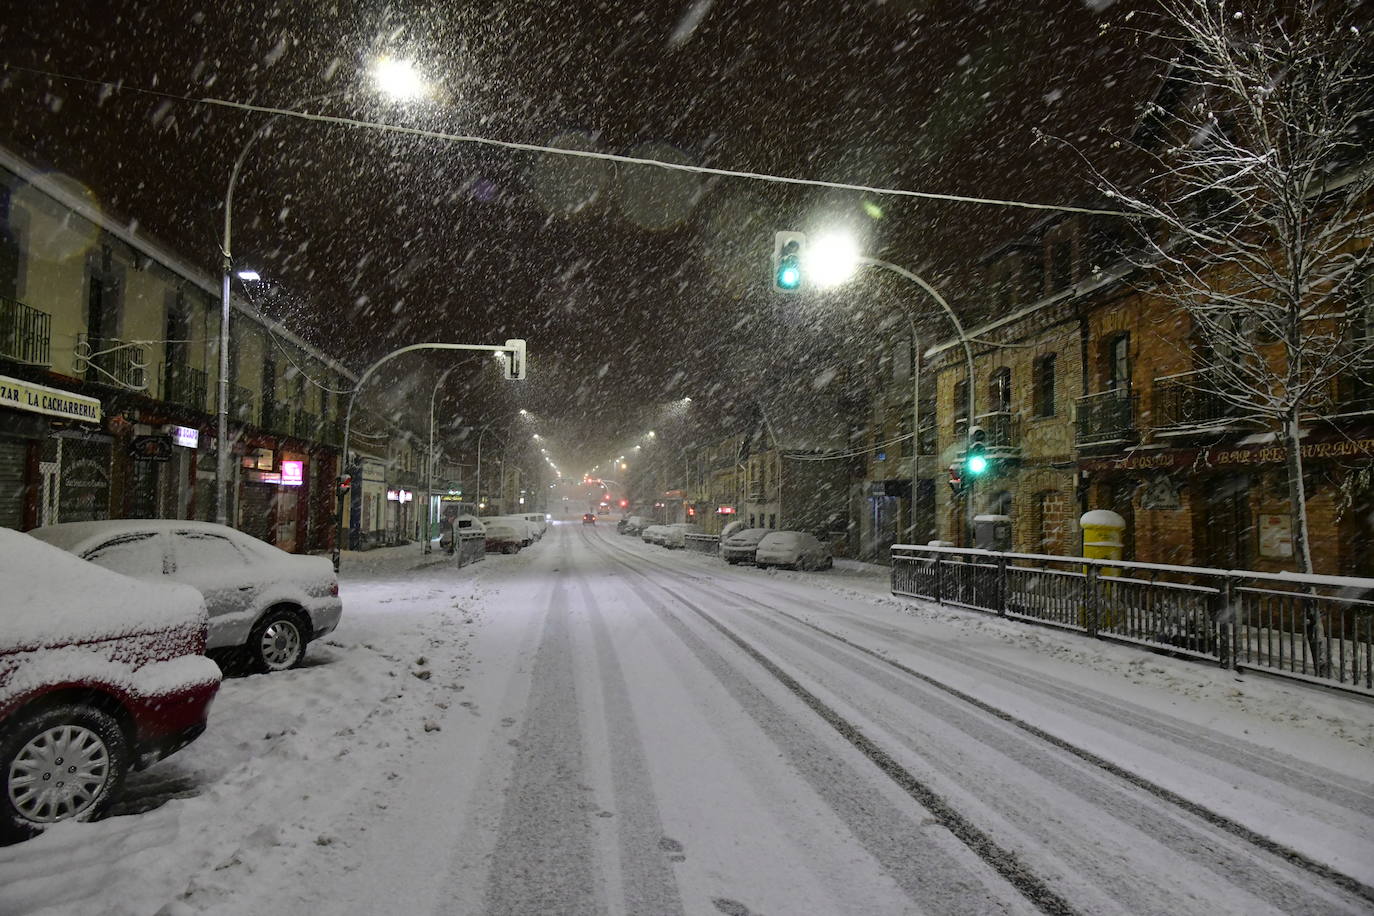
{"x":99,"y":674}
{"x":733,"y":528}
{"x":741,"y":545}
{"x":539,"y":521}
{"x":653,"y":534}
{"x":523,"y":526}
{"x":263,"y":602}
{"x":794,"y":550}
{"x":635,"y":525}
{"x":503,"y":537}
{"x":675,"y":535}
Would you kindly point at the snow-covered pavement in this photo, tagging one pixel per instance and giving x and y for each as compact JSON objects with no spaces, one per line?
{"x":601,"y":726}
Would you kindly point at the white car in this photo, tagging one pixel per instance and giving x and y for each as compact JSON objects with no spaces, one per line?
{"x":740,"y":546}
{"x":529,"y":532}
{"x":504,"y":537}
{"x":675,"y":535}
{"x":794,"y":550}
{"x":653,"y":534}
{"x":539,"y":521}
{"x":262,"y":600}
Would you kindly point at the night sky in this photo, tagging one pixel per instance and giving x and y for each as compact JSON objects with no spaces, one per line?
{"x":634,"y":287}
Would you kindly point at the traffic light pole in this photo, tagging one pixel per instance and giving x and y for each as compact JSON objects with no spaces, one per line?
{"x":510,"y":349}
{"x":968,"y":356}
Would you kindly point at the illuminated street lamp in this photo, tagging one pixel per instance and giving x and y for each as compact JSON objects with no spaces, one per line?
{"x":399,"y":79}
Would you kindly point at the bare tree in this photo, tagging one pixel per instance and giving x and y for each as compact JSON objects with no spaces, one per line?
{"x":1258,"y":213}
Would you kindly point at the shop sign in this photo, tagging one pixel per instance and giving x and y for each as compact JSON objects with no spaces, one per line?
{"x":51,"y":401}
{"x":1201,"y":459}
{"x":292,"y":473}
{"x":1160,"y":492}
{"x":400,"y":496}
{"x":151,"y":448}
{"x":1276,"y":535}
{"x":726,"y":510}
{"x":185,"y":436}
{"x":272,"y":477}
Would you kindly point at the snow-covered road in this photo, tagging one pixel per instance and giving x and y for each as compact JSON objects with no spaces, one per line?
{"x":601,"y":726}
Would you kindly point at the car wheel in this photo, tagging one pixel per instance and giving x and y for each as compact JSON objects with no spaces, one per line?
{"x":277,"y":641}
{"x":829,"y":563}
{"x":732,"y":561}
{"x":58,"y":763}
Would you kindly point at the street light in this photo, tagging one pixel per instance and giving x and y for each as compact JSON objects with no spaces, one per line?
{"x":832,"y":259}
{"x":399,"y":79}
{"x":226,"y":253}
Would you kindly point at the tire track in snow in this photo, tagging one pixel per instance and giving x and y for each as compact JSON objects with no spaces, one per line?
{"x":650,"y":886}
{"x":543,"y":861}
{"x":922,"y":868}
{"x":1340,"y":879}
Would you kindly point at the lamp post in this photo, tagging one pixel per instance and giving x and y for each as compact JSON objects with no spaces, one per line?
{"x":834,"y":259}
{"x":429,"y":490}
{"x":397,"y":79}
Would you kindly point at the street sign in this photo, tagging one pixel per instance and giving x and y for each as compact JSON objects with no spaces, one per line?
{"x":151,"y":448}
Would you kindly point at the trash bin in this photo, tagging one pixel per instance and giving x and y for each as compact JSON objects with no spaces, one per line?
{"x":1103,"y":531}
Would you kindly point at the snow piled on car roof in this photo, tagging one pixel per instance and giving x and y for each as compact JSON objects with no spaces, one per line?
{"x":49,"y":597}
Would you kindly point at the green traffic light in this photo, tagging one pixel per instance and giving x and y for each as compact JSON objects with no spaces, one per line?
{"x":977,"y":464}
{"x":789,"y":276}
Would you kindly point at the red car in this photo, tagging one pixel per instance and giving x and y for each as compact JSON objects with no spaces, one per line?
{"x":99,"y":674}
{"x":588,"y":519}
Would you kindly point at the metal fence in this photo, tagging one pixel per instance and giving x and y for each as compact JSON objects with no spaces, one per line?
{"x":1316,"y":628}
{"x":25,"y":333}
{"x":704,"y":543}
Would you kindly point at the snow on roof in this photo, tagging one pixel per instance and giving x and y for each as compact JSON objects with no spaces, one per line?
{"x":75,"y":537}
{"x":50,"y":597}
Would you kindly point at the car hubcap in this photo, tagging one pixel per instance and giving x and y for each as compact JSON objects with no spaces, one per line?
{"x":59,"y":774}
{"x":280,"y":643}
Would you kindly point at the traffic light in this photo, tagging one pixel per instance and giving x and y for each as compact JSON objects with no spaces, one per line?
{"x":788,"y":248}
{"x":515,"y":359}
{"x":976,"y":458}
{"x":956,"y":480}
{"x":345,"y":482}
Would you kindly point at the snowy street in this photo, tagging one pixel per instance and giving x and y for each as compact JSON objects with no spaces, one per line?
{"x":598,"y":725}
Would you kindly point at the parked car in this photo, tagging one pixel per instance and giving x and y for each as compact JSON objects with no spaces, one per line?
{"x":622,"y":525}
{"x":588,"y":518}
{"x":675,"y":535}
{"x":733,"y":528}
{"x":526,"y":529}
{"x":636,"y":524}
{"x":502,"y":537}
{"x":540,"y":522}
{"x":99,"y":674}
{"x":263,"y":602}
{"x":794,"y":550}
{"x":653,"y":534}
{"x":741,"y":545}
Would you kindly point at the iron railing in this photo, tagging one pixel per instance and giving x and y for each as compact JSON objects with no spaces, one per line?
{"x":25,"y":333}
{"x":111,"y":361}
{"x":184,"y":385}
{"x":1182,"y":401}
{"x":1315,"y":628}
{"x":703,"y":543}
{"x":1108,"y":416}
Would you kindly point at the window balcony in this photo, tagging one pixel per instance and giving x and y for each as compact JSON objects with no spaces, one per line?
{"x":1105,"y":418}
{"x":1183,"y":403}
{"x":1003,"y":429}
{"x":110,"y":361}
{"x":25,"y":333}
{"x":185,"y":386}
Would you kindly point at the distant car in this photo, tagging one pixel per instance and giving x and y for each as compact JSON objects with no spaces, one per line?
{"x":675,"y":535}
{"x":794,"y":550}
{"x":588,"y":518}
{"x":502,"y":537}
{"x":741,"y":545}
{"x":263,"y":601}
{"x":99,"y":674}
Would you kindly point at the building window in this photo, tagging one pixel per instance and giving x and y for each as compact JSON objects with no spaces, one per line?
{"x":1043,"y":393}
{"x":961,"y":401}
{"x":1118,"y":357}
{"x":999,"y":391}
